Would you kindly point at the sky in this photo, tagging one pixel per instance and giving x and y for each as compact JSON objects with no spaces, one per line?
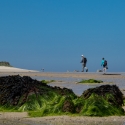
{"x":53,"y":34}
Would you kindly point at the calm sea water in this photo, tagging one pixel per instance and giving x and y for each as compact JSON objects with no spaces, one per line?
{"x":78,"y":89}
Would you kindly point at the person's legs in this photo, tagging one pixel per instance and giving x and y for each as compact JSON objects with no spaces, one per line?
{"x":83,"y":66}
{"x":86,"y":68}
{"x":104,"y":69}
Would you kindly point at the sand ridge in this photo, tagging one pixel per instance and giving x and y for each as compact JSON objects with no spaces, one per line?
{"x":13,"y":69}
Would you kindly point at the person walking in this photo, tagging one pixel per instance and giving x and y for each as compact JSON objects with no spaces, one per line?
{"x":104,"y":64}
{"x":84,"y":62}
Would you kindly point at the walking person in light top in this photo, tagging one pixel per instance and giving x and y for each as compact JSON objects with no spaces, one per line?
{"x":84,"y":62}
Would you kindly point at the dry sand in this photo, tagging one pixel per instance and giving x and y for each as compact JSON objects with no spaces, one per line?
{"x":23,"y":119}
{"x":13,"y":69}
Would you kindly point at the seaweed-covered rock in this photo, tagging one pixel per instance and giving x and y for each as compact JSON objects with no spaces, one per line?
{"x":39,"y":99}
{"x":26,"y":94}
{"x":91,"y":81}
{"x":14,"y":88}
{"x":109,"y":92}
{"x":68,"y":105}
{"x":97,"y":105}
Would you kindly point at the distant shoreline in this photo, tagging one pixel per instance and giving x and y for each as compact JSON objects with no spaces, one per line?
{"x":13,"y":69}
{"x":33,"y":73}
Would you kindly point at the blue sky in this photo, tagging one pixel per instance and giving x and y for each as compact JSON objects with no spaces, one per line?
{"x":53,"y":34}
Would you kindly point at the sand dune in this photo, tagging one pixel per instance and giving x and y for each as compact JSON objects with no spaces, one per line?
{"x":13,"y":69}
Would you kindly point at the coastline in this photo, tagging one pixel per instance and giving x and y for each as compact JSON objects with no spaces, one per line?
{"x":60,"y":74}
{"x":8,"y":69}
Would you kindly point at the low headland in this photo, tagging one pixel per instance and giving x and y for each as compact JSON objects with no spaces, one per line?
{"x":7,"y":67}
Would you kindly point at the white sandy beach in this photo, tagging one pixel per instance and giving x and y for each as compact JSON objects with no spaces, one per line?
{"x":13,"y":69}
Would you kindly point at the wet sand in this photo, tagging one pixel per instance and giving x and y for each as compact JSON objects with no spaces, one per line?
{"x":65,"y":74}
{"x":23,"y":119}
{"x":69,"y":79}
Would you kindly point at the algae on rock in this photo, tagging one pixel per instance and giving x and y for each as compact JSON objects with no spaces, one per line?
{"x":96,"y":105}
{"x":47,"y":81}
{"x":39,"y":99}
{"x":91,"y":81}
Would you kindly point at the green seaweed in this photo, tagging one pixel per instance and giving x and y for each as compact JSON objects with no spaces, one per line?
{"x":91,"y":81}
{"x":53,"y":104}
{"x":124,"y":101}
{"x":97,"y":105}
{"x":47,"y":81}
{"x":56,"y":101}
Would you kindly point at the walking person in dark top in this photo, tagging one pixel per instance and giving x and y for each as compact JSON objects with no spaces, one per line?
{"x":84,"y":62}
